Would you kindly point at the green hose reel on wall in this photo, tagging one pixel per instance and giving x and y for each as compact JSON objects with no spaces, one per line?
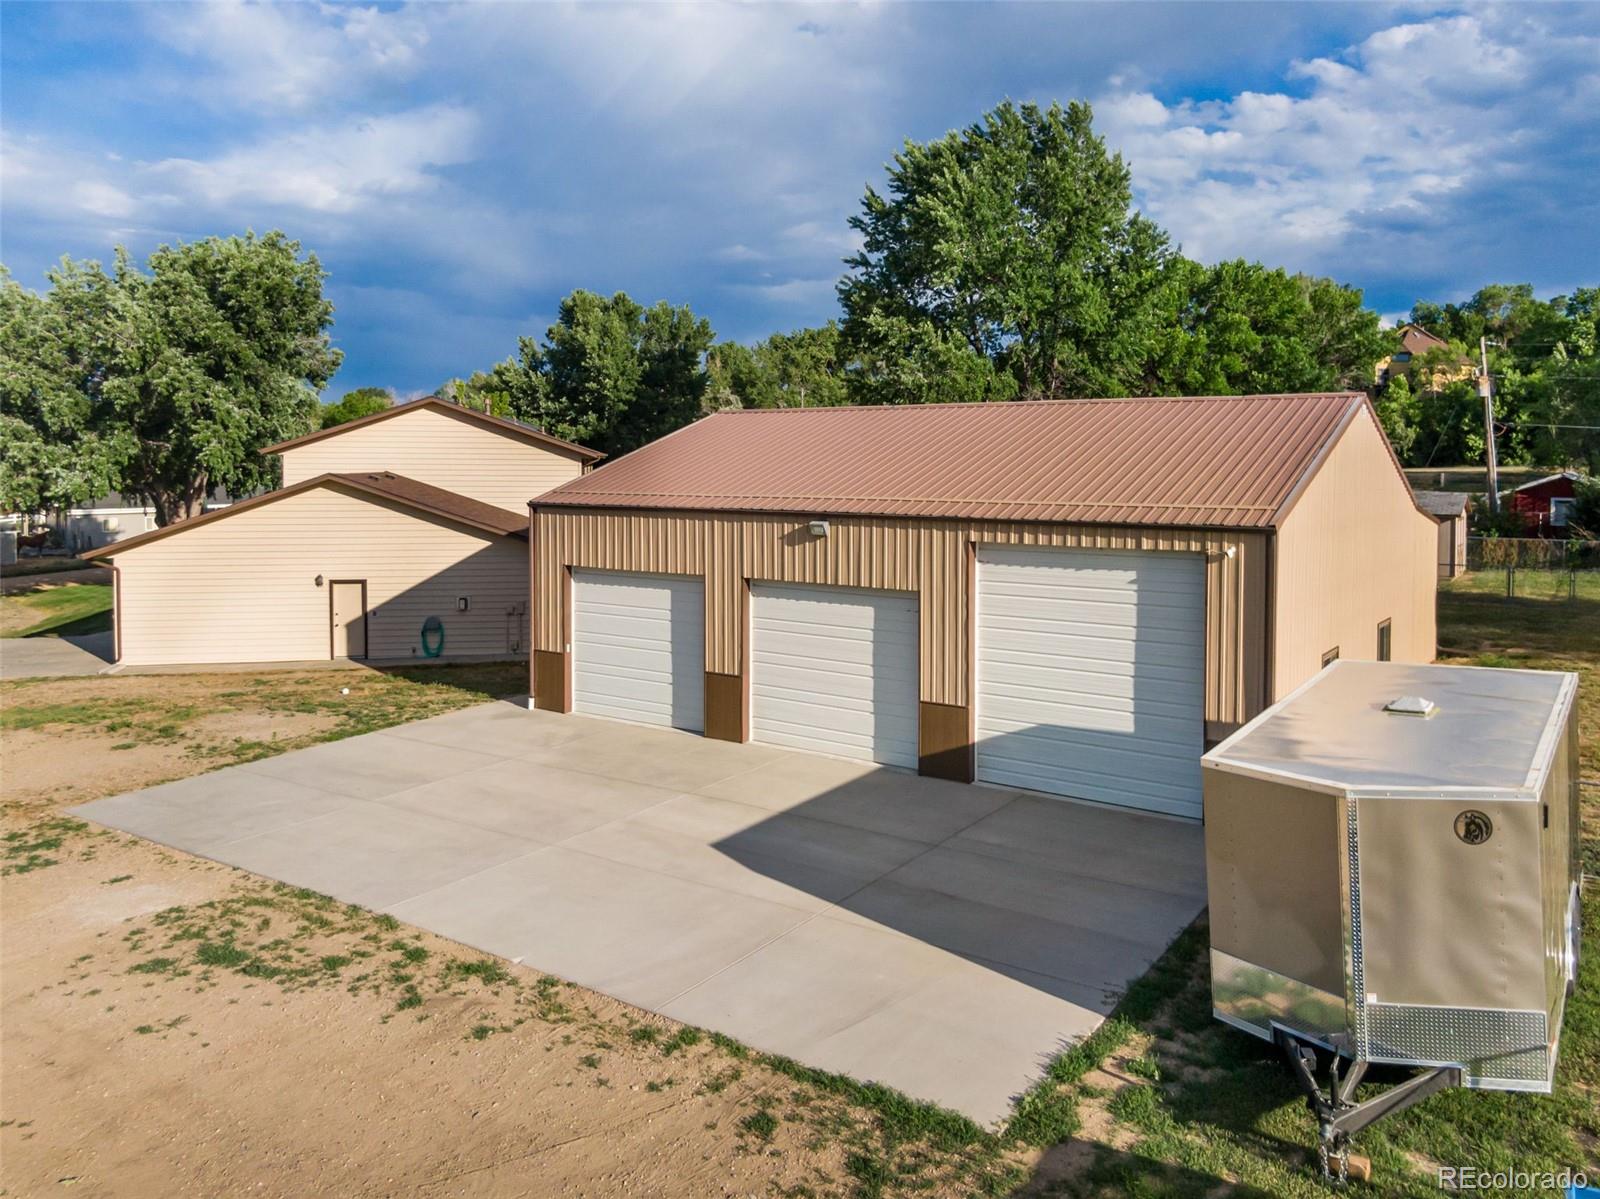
{"x":432,"y":637}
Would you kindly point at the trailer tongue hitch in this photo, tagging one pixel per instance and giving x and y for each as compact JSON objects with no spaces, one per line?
{"x":1338,"y":1116}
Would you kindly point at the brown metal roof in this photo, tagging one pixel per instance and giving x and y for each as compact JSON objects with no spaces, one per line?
{"x":1230,"y":461}
{"x":513,"y":427}
{"x":423,"y":497}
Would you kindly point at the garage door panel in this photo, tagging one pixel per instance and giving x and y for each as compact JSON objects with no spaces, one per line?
{"x":1091,"y":672}
{"x":834,"y":670}
{"x":639,"y":648}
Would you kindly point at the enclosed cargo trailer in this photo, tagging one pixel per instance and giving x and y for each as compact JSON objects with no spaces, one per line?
{"x":1392,"y":861}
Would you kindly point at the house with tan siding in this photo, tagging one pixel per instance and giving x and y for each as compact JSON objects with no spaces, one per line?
{"x":401,"y":536}
{"x":1073,"y":597}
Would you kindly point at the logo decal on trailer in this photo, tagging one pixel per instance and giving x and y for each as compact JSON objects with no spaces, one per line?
{"x":1474,"y":827}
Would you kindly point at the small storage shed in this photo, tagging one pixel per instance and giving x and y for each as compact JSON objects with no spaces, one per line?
{"x":1392,"y":860}
{"x":341,"y":565}
{"x":414,"y":515}
{"x":1545,"y":504}
{"x":1067,"y":596}
{"x":1450,"y":509}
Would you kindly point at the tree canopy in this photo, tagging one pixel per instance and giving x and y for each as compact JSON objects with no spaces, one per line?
{"x":803,"y":369}
{"x":354,"y":404}
{"x":610,"y":374}
{"x":166,"y":383}
{"x":1545,"y":370}
{"x":54,"y":353}
{"x":1006,"y":261}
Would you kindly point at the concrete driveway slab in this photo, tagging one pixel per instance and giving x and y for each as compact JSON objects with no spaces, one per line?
{"x":502,"y":731}
{"x":956,"y":1032}
{"x":205,"y":813}
{"x":368,"y":767}
{"x":936,"y":937}
{"x":673,"y":764}
{"x":635,"y":934}
{"x":374,"y":855}
{"x":879,"y":800}
{"x":785,"y":858}
{"x":545,"y":804}
{"x":53,"y":657}
{"x":1160,"y":852}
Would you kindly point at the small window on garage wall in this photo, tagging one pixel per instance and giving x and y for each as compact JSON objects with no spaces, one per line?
{"x":1331,"y":655}
{"x":1385,"y":641}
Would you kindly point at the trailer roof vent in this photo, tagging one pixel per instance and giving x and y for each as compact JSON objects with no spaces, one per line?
{"x":1411,"y":705}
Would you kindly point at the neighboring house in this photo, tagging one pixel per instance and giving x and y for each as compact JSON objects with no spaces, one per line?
{"x":1546,"y":504}
{"x":1451,"y":509}
{"x":109,"y":519}
{"x":413,"y":513}
{"x":1415,"y":342}
{"x":1068,"y":596}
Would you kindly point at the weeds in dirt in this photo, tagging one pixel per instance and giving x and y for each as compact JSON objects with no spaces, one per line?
{"x":41,"y":843}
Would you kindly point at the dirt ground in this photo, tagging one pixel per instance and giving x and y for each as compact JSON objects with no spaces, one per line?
{"x":173,"y":1026}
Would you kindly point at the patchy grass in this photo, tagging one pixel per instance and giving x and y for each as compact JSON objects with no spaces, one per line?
{"x":291,"y":940}
{"x":62,"y":610}
{"x":42,"y":843}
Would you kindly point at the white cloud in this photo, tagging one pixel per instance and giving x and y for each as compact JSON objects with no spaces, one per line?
{"x":791,"y":292}
{"x":1377,"y":142}
{"x":330,"y":168}
{"x":291,"y":56}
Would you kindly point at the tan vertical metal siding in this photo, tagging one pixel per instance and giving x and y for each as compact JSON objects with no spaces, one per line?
{"x":455,"y":453}
{"x":925,"y":556}
{"x":242,"y":588}
{"x":1353,"y":551}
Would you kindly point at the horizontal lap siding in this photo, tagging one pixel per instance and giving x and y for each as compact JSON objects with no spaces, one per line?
{"x":926,"y":557}
{"x":434,"y":447}
{"x":243,"y":588}
{"x":1354,"y":551}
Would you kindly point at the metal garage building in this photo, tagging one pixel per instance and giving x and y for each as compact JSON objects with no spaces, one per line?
{"x":1068,"y":596}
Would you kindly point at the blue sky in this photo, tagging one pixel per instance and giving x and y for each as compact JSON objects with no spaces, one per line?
{"x":459,"y":169}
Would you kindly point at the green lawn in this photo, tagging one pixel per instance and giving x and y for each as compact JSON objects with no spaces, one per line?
{"x":63,"y":610}
{"x":1194,"y":1108}
{"x":1558,"y":585}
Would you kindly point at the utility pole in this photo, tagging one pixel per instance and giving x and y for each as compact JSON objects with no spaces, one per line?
{"x":1486,"y":390}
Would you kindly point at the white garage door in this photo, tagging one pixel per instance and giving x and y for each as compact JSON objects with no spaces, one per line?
{"x":639,"y":648}
{"x":834,"y":670}
{"x":1091,"y":675}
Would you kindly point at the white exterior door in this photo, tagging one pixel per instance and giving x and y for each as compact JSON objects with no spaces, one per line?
{"x":1091,"y":675}
{"x":639,"y":648}
{"x":834,"y":670}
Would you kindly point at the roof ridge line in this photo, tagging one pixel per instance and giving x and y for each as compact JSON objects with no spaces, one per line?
{"x":999,"y":404}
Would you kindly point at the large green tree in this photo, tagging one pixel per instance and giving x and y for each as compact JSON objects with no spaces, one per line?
{"x":1005,"y":260}
{"x":1245,"y":328}
{"x":803,"y":369}
{"x":55,"y":354}
{"x":224,"y":350}
{"x":610,"y":374}
{"x":354,"y":404}
{"x":164,"y":383}
{"x":1545,"y":369}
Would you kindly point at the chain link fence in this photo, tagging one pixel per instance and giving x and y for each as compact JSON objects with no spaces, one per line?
{"x":1529,"y":568}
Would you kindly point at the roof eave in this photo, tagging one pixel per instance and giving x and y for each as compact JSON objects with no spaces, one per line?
{"x":330,"y":479}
